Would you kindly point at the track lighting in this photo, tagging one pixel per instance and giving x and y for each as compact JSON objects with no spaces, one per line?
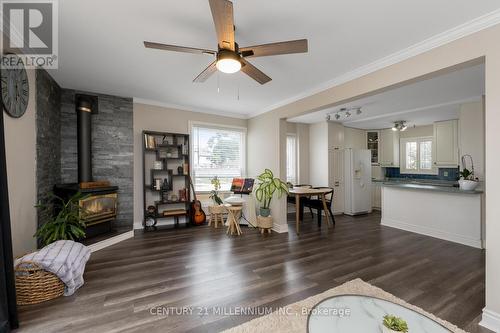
{"x":400,"y":125}
{"x":344,"y":112}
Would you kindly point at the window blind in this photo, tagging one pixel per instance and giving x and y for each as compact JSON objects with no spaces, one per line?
{"x":217,"y":151}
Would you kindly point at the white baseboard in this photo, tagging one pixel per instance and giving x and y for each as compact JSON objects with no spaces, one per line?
{"x":280,"y":228}
{"x":477,"y":243}
{"x":111,"y":241}
{"x":138,"y":226}
{"x":490,"y":320}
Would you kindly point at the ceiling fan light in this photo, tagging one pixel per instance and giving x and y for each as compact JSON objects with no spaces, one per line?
{"x":228,"y":62}
{"x":228,"y":66}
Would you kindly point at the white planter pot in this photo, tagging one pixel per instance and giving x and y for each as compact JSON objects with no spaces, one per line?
{"x":467,"y":185}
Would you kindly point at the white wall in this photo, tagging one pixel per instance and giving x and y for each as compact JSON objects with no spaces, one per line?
{"x":155,"y":118}
{"x":20,"y":150}
{"x":318,"y":154}
{"x":419,"y":131}
{"x":471,"y":135}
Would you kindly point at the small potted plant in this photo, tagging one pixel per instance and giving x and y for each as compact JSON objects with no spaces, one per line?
{"x":267,"y":187}
{"x":467,"y":180}
{"x":393,"y":324}
{"x":216,"y":208}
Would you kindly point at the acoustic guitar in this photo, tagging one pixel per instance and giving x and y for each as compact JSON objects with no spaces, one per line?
{"x":197,"y":215}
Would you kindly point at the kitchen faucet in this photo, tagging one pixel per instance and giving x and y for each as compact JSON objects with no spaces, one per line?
{"x":464,"y":164}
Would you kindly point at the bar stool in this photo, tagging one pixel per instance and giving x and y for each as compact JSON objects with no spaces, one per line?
{"x":233,"y":216}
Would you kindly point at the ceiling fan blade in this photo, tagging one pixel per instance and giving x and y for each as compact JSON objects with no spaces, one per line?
{"x":254,"y":72}
{"x":293,"y":46}
{"x":206,"y":73}
{"x":222,"y":13}
{"x":167,"y":47}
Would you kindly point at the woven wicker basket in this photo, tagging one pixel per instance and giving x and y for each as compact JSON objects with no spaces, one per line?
{"x":35,"y":285}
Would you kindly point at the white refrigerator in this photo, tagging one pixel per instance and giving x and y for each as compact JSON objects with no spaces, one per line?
{"x":358,"y":181}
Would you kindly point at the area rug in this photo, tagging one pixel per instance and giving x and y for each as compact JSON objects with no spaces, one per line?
{"x":292,"y":320}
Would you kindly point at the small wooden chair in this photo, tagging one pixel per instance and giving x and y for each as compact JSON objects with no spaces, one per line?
{"x":216,"y":215}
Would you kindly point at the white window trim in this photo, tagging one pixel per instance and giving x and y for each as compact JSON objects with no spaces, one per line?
{"x":192,"y":123}
{"x":296,"y":156}
{"x":402,"y":154}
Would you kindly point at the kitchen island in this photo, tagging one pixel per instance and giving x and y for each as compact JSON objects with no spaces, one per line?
{"x":436,"y":210}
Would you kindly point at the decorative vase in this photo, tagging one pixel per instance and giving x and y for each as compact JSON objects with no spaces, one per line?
{"x":468,"y":185}
{"x":265,"y":212}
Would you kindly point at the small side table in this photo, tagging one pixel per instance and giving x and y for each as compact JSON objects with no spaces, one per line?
{"x":265,"y":223}
{"x":233,"y":216}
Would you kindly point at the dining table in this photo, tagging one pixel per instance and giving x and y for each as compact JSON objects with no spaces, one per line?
{"x":299,"y":192}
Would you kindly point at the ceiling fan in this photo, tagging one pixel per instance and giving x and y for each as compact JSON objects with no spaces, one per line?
{"x":230,"y":58}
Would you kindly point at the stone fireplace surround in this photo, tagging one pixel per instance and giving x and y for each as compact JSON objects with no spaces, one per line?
{"x":112,"y":143}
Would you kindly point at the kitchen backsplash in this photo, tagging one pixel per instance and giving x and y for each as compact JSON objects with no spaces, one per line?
{"x":452,"y":174}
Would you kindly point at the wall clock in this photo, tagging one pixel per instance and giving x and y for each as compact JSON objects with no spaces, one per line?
{"x":15,"y":89}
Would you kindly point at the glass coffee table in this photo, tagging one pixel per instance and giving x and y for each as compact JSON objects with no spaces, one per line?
{"x":364,"y":314}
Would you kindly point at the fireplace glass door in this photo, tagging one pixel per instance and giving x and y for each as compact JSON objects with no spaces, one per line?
{"x":99,"y":208}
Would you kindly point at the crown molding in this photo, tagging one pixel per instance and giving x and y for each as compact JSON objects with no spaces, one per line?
{"x":463,"y":30}
{"x":188,"y":108}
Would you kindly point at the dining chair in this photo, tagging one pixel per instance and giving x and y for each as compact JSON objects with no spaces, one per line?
{"x":315,"y":202}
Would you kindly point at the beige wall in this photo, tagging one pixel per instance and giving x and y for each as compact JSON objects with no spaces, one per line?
{"x":20,"y":150}
{"x":471,"y":135}
{"x":303,"y":158}
{"x":301,"y":132}
{"x":480,"y":46}
{"x":155,"y":118}
{"x":318,"y":154}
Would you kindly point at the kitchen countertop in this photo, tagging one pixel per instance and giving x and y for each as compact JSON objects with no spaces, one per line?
{"x":426,"y":185}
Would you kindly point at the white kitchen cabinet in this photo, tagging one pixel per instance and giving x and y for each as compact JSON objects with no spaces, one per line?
{"x":445,"y":143}
{"x":336,"y":178}
{"x":388,"y":148}
{"x":372,"y":145}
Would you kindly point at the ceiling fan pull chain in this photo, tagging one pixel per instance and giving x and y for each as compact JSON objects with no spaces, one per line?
{"x":218,"y":82}
{"x":238,"y":95}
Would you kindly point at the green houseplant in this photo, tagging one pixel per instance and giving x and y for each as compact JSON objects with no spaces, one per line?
{"x":467,"y":180}
{"x":214,"y":194}
{"x":394,"y":324}
{"x":267,"y":187}
{"x":64,"y":219}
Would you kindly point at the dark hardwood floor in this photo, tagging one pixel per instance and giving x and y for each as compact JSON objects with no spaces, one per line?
{"x":197,"y":267}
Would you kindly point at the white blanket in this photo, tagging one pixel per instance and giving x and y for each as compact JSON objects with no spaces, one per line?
{"x":64,"y":258}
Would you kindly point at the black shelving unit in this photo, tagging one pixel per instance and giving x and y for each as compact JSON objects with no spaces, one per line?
{"x":166,"y":172}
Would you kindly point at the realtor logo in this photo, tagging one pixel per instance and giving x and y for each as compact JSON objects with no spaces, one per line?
{"x":30,"y":29}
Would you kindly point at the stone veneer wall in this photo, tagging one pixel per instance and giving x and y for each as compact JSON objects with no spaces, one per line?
{"x":112,"y":147}
{"x":48,"y":136}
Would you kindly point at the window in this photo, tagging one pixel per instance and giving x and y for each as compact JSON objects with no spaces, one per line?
{"x":416,"y":156}
{"x":217,"y":151}
{"x":291,"y":159}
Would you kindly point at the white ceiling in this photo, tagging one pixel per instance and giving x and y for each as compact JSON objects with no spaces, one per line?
{"x":420,"y":103}
{"x":101,"y":50}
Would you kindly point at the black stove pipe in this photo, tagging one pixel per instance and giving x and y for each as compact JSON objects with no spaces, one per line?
{"x":84,"y":129}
